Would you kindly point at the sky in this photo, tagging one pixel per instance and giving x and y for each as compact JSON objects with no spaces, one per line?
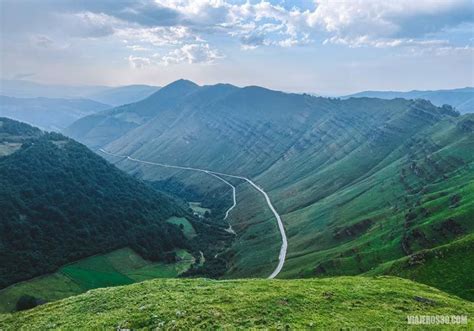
{"x":321,"y":46}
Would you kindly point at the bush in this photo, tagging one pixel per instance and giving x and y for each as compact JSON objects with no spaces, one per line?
{"x":27,"y":302}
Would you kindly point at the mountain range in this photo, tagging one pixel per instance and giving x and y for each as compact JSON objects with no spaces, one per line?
{"x":462,"y":99}
{"x":104,"y":94}
{"x":363,"y":185}
{"x":49,"y":114}
{"x":366,"y":188}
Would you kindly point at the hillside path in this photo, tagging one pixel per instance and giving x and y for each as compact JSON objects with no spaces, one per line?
{"x":284,"y":244}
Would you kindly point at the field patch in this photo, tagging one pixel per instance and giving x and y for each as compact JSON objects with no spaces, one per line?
{"x":120,"y":267}
{"x":197,"y":208}
{"x":184,"y":225}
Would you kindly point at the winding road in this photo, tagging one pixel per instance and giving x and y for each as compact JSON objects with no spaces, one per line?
{"x":229,"y":229}
{"x":284,"y":244}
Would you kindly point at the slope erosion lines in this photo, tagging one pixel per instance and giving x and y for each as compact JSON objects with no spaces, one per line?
{"x":284,"y":245}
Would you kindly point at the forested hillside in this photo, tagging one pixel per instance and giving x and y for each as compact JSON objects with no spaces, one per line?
{"x":60,"y":202}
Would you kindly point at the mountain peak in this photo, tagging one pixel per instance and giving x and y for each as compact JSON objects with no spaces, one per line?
{"x":174,"y":90}
{"x":182,"y":83}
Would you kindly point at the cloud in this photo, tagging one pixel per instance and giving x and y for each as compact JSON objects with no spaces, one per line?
{"x":386,"y":23}
{"x":137,"y":48}
{"x":20,"y":76}
{"x":156,"y":36}
{"x":91,"y":25}
{"x":250,"y":41}
{"x":138,"y":61}
{"x":42,"y":41}
{"x":195,"y":53}
{"x":45,"y":43}
{"x":154,"y":21}
{"x":195,"y":31}
{"x":191,"y":53}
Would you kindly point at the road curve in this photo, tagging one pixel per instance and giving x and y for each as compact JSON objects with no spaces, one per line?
{"x":229,"y":229}
{"x":284,"y":244}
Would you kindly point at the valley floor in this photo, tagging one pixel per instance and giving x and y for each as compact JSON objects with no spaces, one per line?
{"x":357,"y":302}
{"x":219,"y":175}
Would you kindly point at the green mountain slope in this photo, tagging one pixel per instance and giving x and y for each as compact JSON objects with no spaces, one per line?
{"x":462,"y":99}
{"x":60,"y":202}
{"x":448,"y":267}
{"x":99,"y":129}
{"x":355,"y":302}
{"x":47,"y":113}
{"x":358,"y":182}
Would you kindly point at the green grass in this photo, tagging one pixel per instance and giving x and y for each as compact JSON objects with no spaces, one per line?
{"x":163,"y":270}
{"x":119,"y":267}
{"x":50,"y":287}
{"x":188,"y":228}
{"x":448,"y":267}
{"x":356,"y":302}
{"x":196,"y":207}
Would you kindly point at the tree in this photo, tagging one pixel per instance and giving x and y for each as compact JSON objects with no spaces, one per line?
{"x":27,"y":302}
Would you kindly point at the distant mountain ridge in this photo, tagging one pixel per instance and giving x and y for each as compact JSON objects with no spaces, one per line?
{"x":50,"y":114}
{"x":122,"y":95}
{"x":104,"y":94}
{"x":462,"y":99}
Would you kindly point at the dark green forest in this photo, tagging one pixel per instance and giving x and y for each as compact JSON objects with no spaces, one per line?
{"x":59,"y":202}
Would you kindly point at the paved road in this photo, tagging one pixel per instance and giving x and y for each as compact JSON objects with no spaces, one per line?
{"x":229,"y":229}
{"x":284,"y":244}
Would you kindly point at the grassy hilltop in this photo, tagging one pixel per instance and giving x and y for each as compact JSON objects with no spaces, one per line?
{"x":201,"y":303}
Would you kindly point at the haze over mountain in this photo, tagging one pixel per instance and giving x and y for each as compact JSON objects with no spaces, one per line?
{"x":261,"y":192}
{"x":48,"y":113}
{"x":59,"y":202}
{"x":462,"y":99}
{"x":360,"y":183}
{"x":104,"y":94}
{"x":122,"y":95}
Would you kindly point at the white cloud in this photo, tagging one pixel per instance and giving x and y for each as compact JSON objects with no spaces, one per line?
{"x":138,"y":62}
{"x":136,"y":48}
{"x":91,"y":25}
{"x":377,"y":23}
{"x":190,"y":53}
{"x":269,"y":23}
{"x":156,"y":36}
{"x":184,"y":30}
{"x":386,"y":23}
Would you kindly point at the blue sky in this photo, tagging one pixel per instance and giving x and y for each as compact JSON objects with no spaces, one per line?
{"x":326,"y":47}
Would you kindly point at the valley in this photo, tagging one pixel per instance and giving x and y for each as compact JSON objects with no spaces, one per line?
{"x":236,"y":165}
{"x":236,"y":184}
{"x":357,"y":182}
{"x":284,"y":245}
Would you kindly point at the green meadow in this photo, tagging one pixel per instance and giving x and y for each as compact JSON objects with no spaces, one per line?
{"x":120,"y":267}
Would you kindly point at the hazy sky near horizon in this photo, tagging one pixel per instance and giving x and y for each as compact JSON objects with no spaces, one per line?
{"x":320,"y":46}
